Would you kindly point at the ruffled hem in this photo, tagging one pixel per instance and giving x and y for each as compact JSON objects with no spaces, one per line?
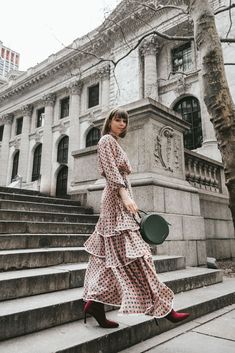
{"x":119,"y":250}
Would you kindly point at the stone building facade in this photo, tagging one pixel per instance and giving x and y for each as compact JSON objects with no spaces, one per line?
{"x":50,"y":119}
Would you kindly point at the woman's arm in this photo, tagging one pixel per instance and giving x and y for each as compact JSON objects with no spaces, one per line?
{"x":128,"y":202}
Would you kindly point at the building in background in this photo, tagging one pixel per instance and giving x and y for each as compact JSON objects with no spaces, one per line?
{"x":9,"y":60}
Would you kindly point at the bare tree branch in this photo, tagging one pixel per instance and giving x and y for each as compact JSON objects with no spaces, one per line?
{"x":230,"y":19}
{"x":224,"y":9}
{"x":229,"y":63}
{"x":227,"y":40}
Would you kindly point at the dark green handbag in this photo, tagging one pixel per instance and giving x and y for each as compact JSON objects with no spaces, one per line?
{"x":153,"y":228}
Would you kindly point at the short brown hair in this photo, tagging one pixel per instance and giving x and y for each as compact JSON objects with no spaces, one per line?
{"x":121,"y":113}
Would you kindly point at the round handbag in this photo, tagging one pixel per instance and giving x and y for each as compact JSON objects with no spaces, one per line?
{"x":153,"y":228}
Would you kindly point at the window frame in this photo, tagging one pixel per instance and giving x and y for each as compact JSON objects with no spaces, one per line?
{"x":64,"y":100}
{"x":19,"y":127}
{"x":194,"y":137}
{"x":179,"y":49}
{"x":89,"y":103}
{"x":93,"y":140}
{"x":62,"y":152}
{"x":1,"y":132}
{"x":40,"y":112}
{"x":37,"y":162}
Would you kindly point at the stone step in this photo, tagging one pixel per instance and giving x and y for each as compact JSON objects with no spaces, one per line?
{"x":18,"y":284}
{"x":44,"y":207}
{"x":19,"y":191}
{"x":12,"y":227}
{"x":23,"y":316}
{"x":35,"y":216}
{"x":22,"y":283}
{"x":35,"y":258}
{"x":30,"y":241}
{"x":34,"y":198}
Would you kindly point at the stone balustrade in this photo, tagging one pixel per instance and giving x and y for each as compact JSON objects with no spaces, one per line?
{"x":203,"y":173}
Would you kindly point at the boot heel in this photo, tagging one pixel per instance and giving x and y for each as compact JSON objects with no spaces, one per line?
{"x":85,"y":318}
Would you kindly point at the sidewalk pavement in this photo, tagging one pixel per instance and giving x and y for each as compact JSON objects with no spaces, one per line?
{"x":212,"y":333}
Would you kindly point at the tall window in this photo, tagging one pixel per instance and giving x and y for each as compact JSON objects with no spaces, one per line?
{"x":93,"y":96}
{"x":189,"y":108}
{"x":40,"y":117}
{"x":62,"y":153}
{"x":64,"y":107}
{"x":62,"y":181}
{"x":182,"y":58}
{"x":93,"y":137}
{"x":1,"y":132}
{"x":19,"y":124}
{"x":15,"y":165}
{"x":37,"y":162}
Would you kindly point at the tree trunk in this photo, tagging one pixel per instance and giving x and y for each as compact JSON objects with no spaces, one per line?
{"x":217,"y":96}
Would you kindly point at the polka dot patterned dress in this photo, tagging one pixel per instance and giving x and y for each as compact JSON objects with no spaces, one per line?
{"x":121,"y":271}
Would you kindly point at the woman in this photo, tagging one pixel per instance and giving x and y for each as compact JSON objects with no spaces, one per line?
{"x":121,"y":271}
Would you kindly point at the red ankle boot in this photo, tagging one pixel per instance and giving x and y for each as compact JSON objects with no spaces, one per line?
{"x":96,"y":310}
{"x":174,"y":317}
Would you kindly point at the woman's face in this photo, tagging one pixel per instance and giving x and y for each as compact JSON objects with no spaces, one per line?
{"x":117,"y":125}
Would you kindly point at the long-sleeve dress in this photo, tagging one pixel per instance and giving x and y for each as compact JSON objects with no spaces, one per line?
{"x":121,"y":271}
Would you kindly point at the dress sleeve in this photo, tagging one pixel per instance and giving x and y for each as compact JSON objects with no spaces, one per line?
{"x":107,"y":154}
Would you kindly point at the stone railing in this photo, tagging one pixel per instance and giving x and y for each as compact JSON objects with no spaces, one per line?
{"x":203,"y":172}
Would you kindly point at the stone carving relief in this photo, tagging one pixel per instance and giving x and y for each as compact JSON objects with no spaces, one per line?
{"x":103,"y":72}
{"x":16,"y":143}
{"x":76,"y":87}
{"x":37,"y":137}
{"x":49,"y":99}
{"x":182,"y":86}
{"x":62,"y":128}
{"x":164,"y":148}
{"x":7,"y":119}
{"x":149,"y":46}
{"x":27,"y":110}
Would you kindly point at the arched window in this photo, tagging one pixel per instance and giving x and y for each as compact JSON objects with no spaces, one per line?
{"x":15,"y":165}
{"x":93,"y":137}
{"x":37,"y":162}
{"x":189,"y":108}
{"x":62,"y":153}
{"x":62,"y":180}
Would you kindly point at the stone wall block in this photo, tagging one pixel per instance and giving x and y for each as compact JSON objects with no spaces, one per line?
{"x":201,"y":252}
{"x":193,"y":228}
{"x":196,"y":210}
{"x":178,"y":201}
{"x":176,"y":228}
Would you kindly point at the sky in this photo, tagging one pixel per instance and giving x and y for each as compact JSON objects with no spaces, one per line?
{"x":39,"y":28}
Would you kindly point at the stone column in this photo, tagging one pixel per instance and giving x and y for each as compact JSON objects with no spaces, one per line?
{"x":209,"y":144}
{"x":24,"y":142}
{"x":46,"y":162}
{"x":75,"y":90}
{"x":149,"y":50}
{"x":4,"y":156}
{"x":104,"y":74}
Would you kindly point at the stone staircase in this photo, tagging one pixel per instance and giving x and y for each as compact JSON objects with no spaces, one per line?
{"x":42,"y":267}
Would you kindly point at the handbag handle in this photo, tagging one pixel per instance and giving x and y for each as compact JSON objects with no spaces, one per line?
{"x":139,"y":215}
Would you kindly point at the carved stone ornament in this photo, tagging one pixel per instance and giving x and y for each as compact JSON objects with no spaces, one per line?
{"x":103,"y":72}
{"x":75,"y":87}
{"x":164,"y":148}
{"x":62,"y":128}
{"x":91,"y":118}
{"x":37,"y":137}
{"x":49,"y":99}
{"x":149,"y":46}
{"x":16,"y":143}
{"x":182,"y":86}
{"x":27,"y":110}
{"x":7,"y":119}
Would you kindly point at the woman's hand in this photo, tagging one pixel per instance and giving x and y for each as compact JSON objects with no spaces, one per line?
{"x":128,"y":202}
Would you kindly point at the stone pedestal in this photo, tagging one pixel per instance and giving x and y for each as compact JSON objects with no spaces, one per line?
{"x":46,"y":167}
{"x":4,"y":154}
{"x":149,"y":50}
{"x":24,"y":143}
